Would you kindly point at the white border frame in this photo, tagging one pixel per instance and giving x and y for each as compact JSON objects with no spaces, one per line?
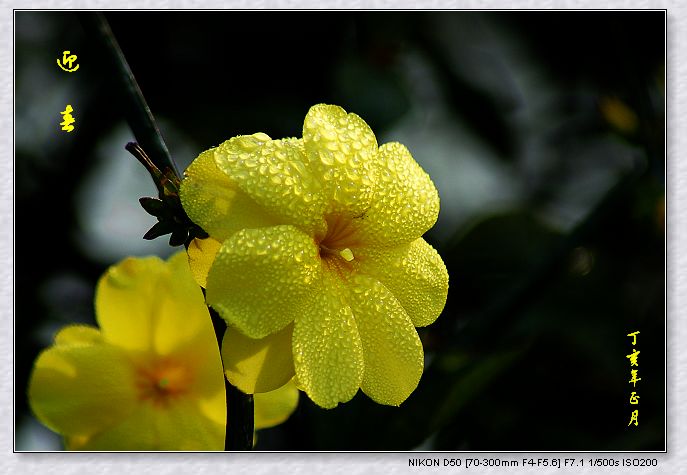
{"x":355,"y":463}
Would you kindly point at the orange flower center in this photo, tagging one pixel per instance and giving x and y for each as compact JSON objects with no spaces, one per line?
{"x":162,"y":382}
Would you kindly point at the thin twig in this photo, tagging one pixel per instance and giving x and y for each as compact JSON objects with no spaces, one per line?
{"x":138,"y":114}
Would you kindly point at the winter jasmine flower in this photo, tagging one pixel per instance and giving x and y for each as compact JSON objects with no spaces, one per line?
{"x":316,"y":260}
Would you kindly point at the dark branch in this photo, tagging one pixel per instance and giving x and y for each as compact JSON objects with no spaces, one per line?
{"x":137,"y":112}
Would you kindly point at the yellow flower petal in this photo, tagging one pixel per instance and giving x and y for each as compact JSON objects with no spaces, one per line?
{"x":394,"y":359}
{"x":155,"y":428}
{"x":147,"y":306}
{"x":78,"y":334}
{"x":327,"y":352}
{"x":405,"y":203}
{"x":151,"y":380}
{"x":257,"y":366}
{"x":276,"y":175}
{"x":274,"y":407}
{"x":262,"y":279}
{"x":183,"y":334}
{"x":183,"y":318}
{"x":201,"y":254}
{"x":123,"y":303}
{"x":79,"y":389}
{"x":342,"y":151}
{"x":214,"y":201}
{"x":415,"y":275}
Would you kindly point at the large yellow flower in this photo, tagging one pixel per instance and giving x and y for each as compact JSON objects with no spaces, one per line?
{"x":151,"y":377}
{"x":316,"y":253}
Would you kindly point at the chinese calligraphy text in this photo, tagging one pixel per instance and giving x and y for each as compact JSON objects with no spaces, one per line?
{"x":68,"y":119}
{"x":634,"y":379}
{"x":67,"y":62}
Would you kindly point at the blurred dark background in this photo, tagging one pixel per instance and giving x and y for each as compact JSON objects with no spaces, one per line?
{"x":543,"y":132}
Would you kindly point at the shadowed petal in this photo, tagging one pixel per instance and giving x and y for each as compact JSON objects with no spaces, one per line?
{"x":201,"y":255}
{"x":257,"y":366}
{"x":274,"y":407}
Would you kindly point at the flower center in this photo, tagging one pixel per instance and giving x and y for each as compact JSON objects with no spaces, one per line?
{"x":336,"y":246}
{"x":163,"y":382}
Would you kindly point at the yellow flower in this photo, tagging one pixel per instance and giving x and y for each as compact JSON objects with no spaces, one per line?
{"x":150,"y":378}
{"x":316,"y":253}
{"x":274,"y":407}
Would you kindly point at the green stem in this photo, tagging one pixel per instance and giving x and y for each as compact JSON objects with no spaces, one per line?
{"x":239,"y":434}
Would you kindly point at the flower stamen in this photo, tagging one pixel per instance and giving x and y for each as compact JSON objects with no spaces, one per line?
{"x":338,"y":240}
{"x":162,"y":383}
{"x":347,"y":254}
